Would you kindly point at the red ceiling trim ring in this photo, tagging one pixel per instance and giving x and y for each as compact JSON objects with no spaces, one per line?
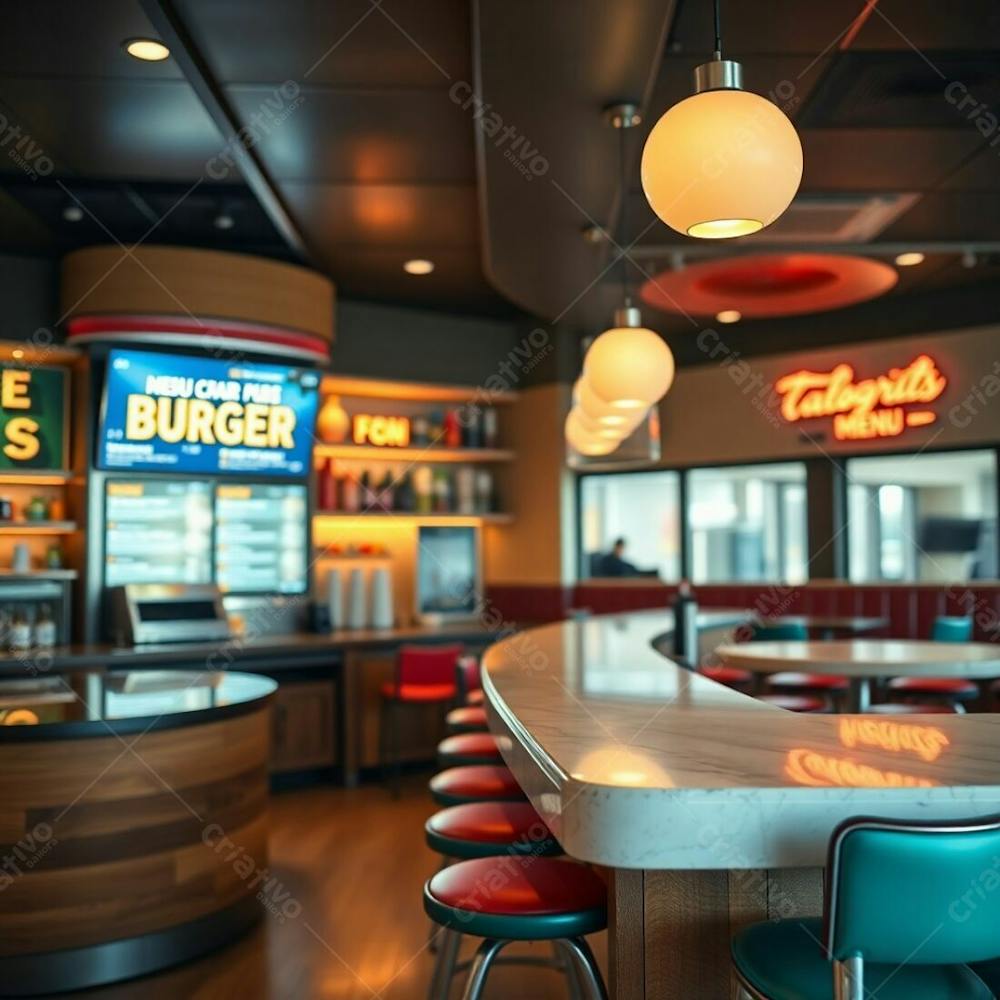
{"x":181,"y":330}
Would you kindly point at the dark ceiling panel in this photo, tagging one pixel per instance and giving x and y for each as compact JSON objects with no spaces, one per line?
{"x":949,"y":215}
{"x":981,"y":173}
{"x":125,"y":129}
{"x":382,"y":215}
{"x":363,"y":136}
{"x":902,"y":89}
{"x":930,"y":25}
{"x":21,"y":230}
{"x":882,"y":159}
{"x":76,"y":38}
{"x":348,"y":42}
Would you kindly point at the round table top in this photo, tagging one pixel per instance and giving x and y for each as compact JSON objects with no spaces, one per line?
{"x":868,"y":657}
{"x":845,"y":623}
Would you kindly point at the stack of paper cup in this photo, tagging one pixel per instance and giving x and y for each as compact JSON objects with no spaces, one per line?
{"x":382,"y":616}
{"x":335,"y":598}
{"x":357,"y":604}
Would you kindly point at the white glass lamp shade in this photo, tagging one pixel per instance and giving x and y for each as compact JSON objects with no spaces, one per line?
{"x":596,"y":409}
{"x":629,"y":367}
{"x":595,"y":429}
{"x":721,"y":163}
{"x":584,"y":442}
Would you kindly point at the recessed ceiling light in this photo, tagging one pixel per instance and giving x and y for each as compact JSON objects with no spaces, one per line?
{"x":72,"y":213}
{"x":223,"y":221}
{"x":147,"y":49}
{"x":909,"y":259}
{"x":728,"y":316}
{"x":17,"y":352}
{"x":418,"y":266}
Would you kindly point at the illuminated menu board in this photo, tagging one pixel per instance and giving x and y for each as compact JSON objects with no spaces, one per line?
{"x":157,"y":531}
{"x":261,"y":538}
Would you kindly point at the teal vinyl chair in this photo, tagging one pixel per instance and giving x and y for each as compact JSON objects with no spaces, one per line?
{"x":906,"y":910}
{"x":948,"y":629}
{"x":829,"y":688}
{"x":779,"y":632}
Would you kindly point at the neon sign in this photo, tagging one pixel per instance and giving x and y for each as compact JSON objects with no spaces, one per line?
{"x":869,"y":408}
{"x":382,"y":432}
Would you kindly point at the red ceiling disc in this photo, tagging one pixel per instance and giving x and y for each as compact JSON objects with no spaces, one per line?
{"x":770,"y":284}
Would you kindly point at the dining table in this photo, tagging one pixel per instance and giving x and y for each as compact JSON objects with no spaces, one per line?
{"x":862,"y":661}
{"x":830,"y":626}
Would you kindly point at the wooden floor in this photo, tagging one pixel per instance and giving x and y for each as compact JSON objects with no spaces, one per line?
{"x":356,"y":861}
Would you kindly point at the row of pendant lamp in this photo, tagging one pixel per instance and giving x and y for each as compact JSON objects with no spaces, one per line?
{"x":626,"y":370}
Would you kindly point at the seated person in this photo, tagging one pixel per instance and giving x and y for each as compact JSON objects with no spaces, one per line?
{"x":613,"y":564}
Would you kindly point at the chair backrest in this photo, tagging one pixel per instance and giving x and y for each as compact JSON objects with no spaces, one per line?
{"x":778,"y":631}
{"x":918,"y":893}
{"x":947,"y":629}
{"x":467,"y":675}
{"x":427,"y":664}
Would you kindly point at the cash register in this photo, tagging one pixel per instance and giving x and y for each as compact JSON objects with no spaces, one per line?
{"x":168,"y":612}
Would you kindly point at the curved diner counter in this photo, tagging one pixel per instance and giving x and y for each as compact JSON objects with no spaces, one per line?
{"x":134,"y":822}
{"x":711,"y":810}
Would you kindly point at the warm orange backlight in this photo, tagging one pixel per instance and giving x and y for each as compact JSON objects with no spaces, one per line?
{"x":927,"y":742}
{"x":871,"y":408}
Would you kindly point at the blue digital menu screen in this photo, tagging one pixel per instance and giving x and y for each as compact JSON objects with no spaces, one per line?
{"x":174,"y":413}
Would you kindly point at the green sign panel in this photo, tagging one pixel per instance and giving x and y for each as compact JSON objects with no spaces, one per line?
{"x":32,"y":418}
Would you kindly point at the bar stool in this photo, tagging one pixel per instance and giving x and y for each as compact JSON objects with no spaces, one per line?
{"x":475,"y":783}
{"x":424,"y":675}
{"x":830,"y":687}
{"x":939,"y":690}
{"x":468,"y":719}
{"x":731,"y":677}
{"x":898,"y":920}
{"x":506,"y":899}
{"x":469,"y":681}
{"x":796,"y":702}
{"x":486,"y":829}
{"x":468,"y":748}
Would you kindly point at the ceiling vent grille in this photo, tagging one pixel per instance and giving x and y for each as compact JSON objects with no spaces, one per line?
{"x":836,"y":218}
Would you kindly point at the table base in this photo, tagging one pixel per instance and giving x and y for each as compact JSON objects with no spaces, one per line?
{"x":669,"y":931}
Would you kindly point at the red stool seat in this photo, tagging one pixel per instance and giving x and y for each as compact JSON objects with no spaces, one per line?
{"x":898,"y":708}
{"x":790,"y":680}
{"x":475,"y":783}
{"x":548,"y":899}
{"x":469,"y":748}
{"x":418,"y":692}
{"x":947,"y":688}
{"x":467,"y":720}
{"x":795,"y":702}
{"x":730,"y":676}
{"x":485,"y":829}
{"x":476,"y":697}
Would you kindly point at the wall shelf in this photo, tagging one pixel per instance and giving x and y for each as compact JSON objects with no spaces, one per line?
{"x":429,"y":455}
{"x":343,"y":385}
{"x":408,"y":517}
{"x":37,"y":527}
{"x":38,"y":574}
{"x":52,"y":477}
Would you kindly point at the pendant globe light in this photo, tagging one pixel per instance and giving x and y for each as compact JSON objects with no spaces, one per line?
{"x":724,"y":162}
{"x":628,"y":367}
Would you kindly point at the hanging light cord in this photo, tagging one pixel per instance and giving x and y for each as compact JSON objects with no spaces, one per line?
{"x":718,"y":31}
{"x":624,"y":212}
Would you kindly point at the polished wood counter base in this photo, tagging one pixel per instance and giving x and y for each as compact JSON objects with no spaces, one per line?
{"x":670,"y":931}
{"x":120,"y":855}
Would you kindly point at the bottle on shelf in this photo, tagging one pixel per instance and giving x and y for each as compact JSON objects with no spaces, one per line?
{"x":367,"y":497}
{"x":405,"y":499}
{"x":45,"y":627}
{"x":452,"y":430}
{"x":423,"y":487}
{"x":386,"y":492}
{"x":20,"y":629}
{"x":420,"y":430}
{"x":484,"y":491}
{"x":326,"y":488}
{"x":442,"y":493}
{"x":465,"y":490}
{"x":436,"y":429}
{"x":474,"y":428}
{"x":351,"y":493}
{"x":491,"y":429}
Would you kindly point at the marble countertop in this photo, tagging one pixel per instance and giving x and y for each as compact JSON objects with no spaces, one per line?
{"x":636,"y":762}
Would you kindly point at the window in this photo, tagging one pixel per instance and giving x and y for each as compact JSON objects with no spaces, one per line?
{"x":643,"y":508}
{"x":922,"y":517}
{"x":748,"y":523}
